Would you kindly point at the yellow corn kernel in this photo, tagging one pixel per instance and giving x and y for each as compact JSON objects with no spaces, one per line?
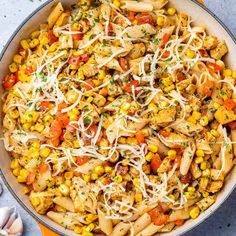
{"x":199,"y":160}
{"x":171,"y":196}
{"x":153,"y":148}
{"x":138,"y":197}
{"x":80,"y":74}
{"x":25,"y":190}
{"x":196,"y":115}
{"x":48,"y":119}
{"x":30,"y":116}
{"x":16,"y":172}
{"x":125,"y":107}
{"x":72,"y":96}
{"x":101,"y":74}
{"x":25,"y":160}
{"x":34,"y":43}
{"x":53,"y":47}
{"x":44,"y":41}
{"x":68,"y":182}
{"x":14,"y":114}
{"x":24,"y":173}
{"x":73,"y":117}
{"x":99,"y":170}
{"x":45,"y":152}
{"x":90,"y":218}
{"x":13,"y":67}
{"x":24,"y":44}
{"x":191,"y":189}
{"x":152,"y":107}
{"x":21,"y":179}
{"x":64,"y":189}
{"x":78,"y":229}
{"x":17,"y":59}
{"x":110,"y":99}
{"x":87,"y":233}
{"x":86,"y":177}
{"x":190,"y":195}
{"x":200,"y":153}
{"x":118,"y":179}
{"x":94,"y":176}
{"x":122,"y":140}
{"x":172,"y":154}
{"x":35,"y":34}
{"x":203,"y":165}
{"x":169,"y":88}
{"x":14,"y":164}
{"x":171,"y":11}
{"x":190,"y":53}
{"x":89,"y":99}
{"x":194,"y":213}
{"x":227,"y":72}
{"x":108,"y":169}
{"x":69,"y":175}
{"x":149,"y":156}
{"x":215,"y":133}
{"x":204,"y":121}
{"x":76,"y":143}
{"x":160,"y":20}
{"x":234,"y":74}
{"x":167,"y":81}
{"x":116,"y":3}
{"x":35,"y":144}
{"x":192,"y":120}
{"x":132,"y":141}
{"x":216,"y":105}
{"x":35,"y":201}
{"x":39,"y":128}
{"x":135,"y":22}
{"x":163,"y":103}
{"x":206,"y":173}
{"x":205,"y":194}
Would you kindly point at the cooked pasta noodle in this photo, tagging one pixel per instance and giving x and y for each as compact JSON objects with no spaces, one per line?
{"x":120,"y":117}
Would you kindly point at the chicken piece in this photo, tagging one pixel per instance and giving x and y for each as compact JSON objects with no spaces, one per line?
{"x":203,"y":183}
{"x":165,"y":165}
{"x":90,"y":68}
{"x":170,"y":141}
{"x":206,"y":202}
{"x":41,"y":201}
{"x":224,"y":116}
{"x":140,"y":31}
{"x":218,"y":52}
{"x":215,"y":186}
{"x":65,"y":202}
{"x":137,"y":51}
{"x":9,"y":123}
{"x":210,"y":42}
{"x":165,"y":116}
{"x":195,"y":170}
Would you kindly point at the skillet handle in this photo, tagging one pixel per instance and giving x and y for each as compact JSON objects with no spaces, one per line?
{"x":47,"y":232}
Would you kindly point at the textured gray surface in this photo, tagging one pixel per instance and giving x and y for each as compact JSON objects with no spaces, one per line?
{"x":223,"y":222}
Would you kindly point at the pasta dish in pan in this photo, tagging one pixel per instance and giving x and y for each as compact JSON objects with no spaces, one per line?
{"x":120,"y":117}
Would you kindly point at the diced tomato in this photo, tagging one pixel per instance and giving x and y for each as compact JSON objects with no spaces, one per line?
{"x":128,"y":186}
{"x":30,"y":178}
{"x":74,"y":60}
{"x":77,"y":36}
{"x":45,"y":105}
{"x":56,"y":129}
{"x":52,"y":38}
{"x":62,"y":106}
{"x":22,"y":52}
{"x":179,"y":222}
{"x":155,"y":162}
{"x":165,"y":38}
{"x":43,"y":168}
{"x":29,"y":70}
{"x":81,"y":160}
{"x":145,"y":18}
{"x":122,"y":170}
{"x":124,"y":63}
{"x":229,"y":104}
{"x":164,"y":133}
{"x":140,"y":137}
{"x":208,"y":87}
{"x":64,"y":120}
{"x":202,"y":52}
{"x":89,"y":84}
{"x":213,"y":67}
{"x":158,"y":217}
{"x":103,"y":91}
{"x":186,"y":179}
{"x":178,"y":161}
{"x":132,"y":83}
{"x":232,"y":125}
{"x":61,"y":138}
{"x":166,"y":54}
{"x":9,"y":81}
{"x":110,"y":28}
{"x":131,"y":16}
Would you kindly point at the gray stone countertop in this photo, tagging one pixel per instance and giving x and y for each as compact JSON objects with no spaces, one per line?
{"x":223,"y":222}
